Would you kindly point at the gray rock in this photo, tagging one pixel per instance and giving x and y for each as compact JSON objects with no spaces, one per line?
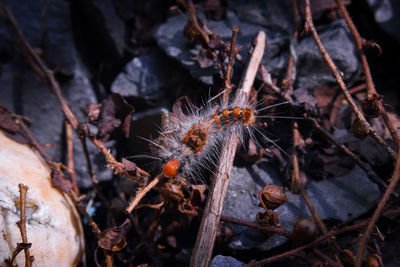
{"x":27,"y":95}
{"x":170,"y":38}
{"x":115,"y":25}
{"x":341,"y":198}
{"x":312,"y":70}
{"x":386,"y":13}
{"x":225,"y":261}
{"x":144,"y":76}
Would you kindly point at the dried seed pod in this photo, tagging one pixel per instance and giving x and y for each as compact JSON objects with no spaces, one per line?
{"x":268,"y":218}
{"x":305,"y":231}
{"x":299,"y":183}
{"x":370,"y":107}
{"x":372,"y":260}
{"x":358,"y":129}
{"x":347,"y":257}
{"x":272,"y":196}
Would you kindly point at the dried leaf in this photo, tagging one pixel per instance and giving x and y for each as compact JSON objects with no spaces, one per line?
{"x":115,"y":117}
{"x":183,"y":107}
{"x":216,"y":43}
{"x":129,"y":165}
{"x":187,"y":208}
{"x":197,"y":195}
{"x":94,"y":112}
{"x":204,"y":58}
{"x":114,"y":239}
{"x":59,"y":181}
{"x":10,"y":127}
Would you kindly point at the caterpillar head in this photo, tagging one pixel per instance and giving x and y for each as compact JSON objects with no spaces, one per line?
{"x":171,"y":168}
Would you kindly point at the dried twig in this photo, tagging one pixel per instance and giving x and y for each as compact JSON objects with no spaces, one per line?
{"x":266,"y":228}
{"x":142,"y":192}
{"x":22,"y":223}
{"x":70,"y":155}
{"x":212,"y":212}
{"x":228,"y":84}
{"x":309,"y":26}
{"x":92,"y":176}
{"x":303,"y":247}
{"x":78,"y":204}
{"x":364,"y":237}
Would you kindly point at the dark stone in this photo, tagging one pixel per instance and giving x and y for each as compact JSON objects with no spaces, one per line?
{"x":171,"y":39}
{"x":145,"y":76}
{"x":27,"y":95}
{"x":225,"y":261}
{"x":386,"y":13}
{"x":342,"y":198}
{"x":312,"y":70}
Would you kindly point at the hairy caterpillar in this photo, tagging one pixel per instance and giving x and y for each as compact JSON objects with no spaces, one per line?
{"x":189,"y":143}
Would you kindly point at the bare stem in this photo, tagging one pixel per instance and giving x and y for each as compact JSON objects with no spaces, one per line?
{"x":142,"y":192}
{"x":364,"y":238}
{"x":228,"y":85}
{"x":301,"y":248}
{"x":22,"y":223}
{"x":266,"y":228}
{"x":70,"y":155}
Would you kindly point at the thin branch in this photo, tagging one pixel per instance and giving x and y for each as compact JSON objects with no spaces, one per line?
{"x":195,"y":22}
{"x":368,"y":77}
{"x":211,"y":216}
{"x":266,"y":228}
{"x":22,"y":223}
{"x":228,"y":85}
{"x":92,"y":176}
{"x":142,"y":192}
{"x":332,"y":243}
{"x":78,"y":204}
{"x":70,"y":155}
{"x":303,"y":247}
{"x":364,"y":238}
{"x":309,"y":26}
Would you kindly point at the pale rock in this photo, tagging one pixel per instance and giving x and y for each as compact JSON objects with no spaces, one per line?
{"x":52,"y":222}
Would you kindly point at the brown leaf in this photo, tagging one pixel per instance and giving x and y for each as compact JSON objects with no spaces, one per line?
{"x":187,"y":208}
{"x":93,"y":112}
{"x":131,"y":168}
{"x":216,"y":42}
{"x":59,"y":181}
{"x":114,"y":239}
{"x":197,"y":195}
{"x":183,"y":107}
{"x":10,"y":127}
{"x":191,"y":33}
{"x":204,"y":58}
{"x":115,"y":117}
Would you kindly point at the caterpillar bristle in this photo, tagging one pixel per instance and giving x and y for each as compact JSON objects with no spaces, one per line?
{"x":190,"y":143}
